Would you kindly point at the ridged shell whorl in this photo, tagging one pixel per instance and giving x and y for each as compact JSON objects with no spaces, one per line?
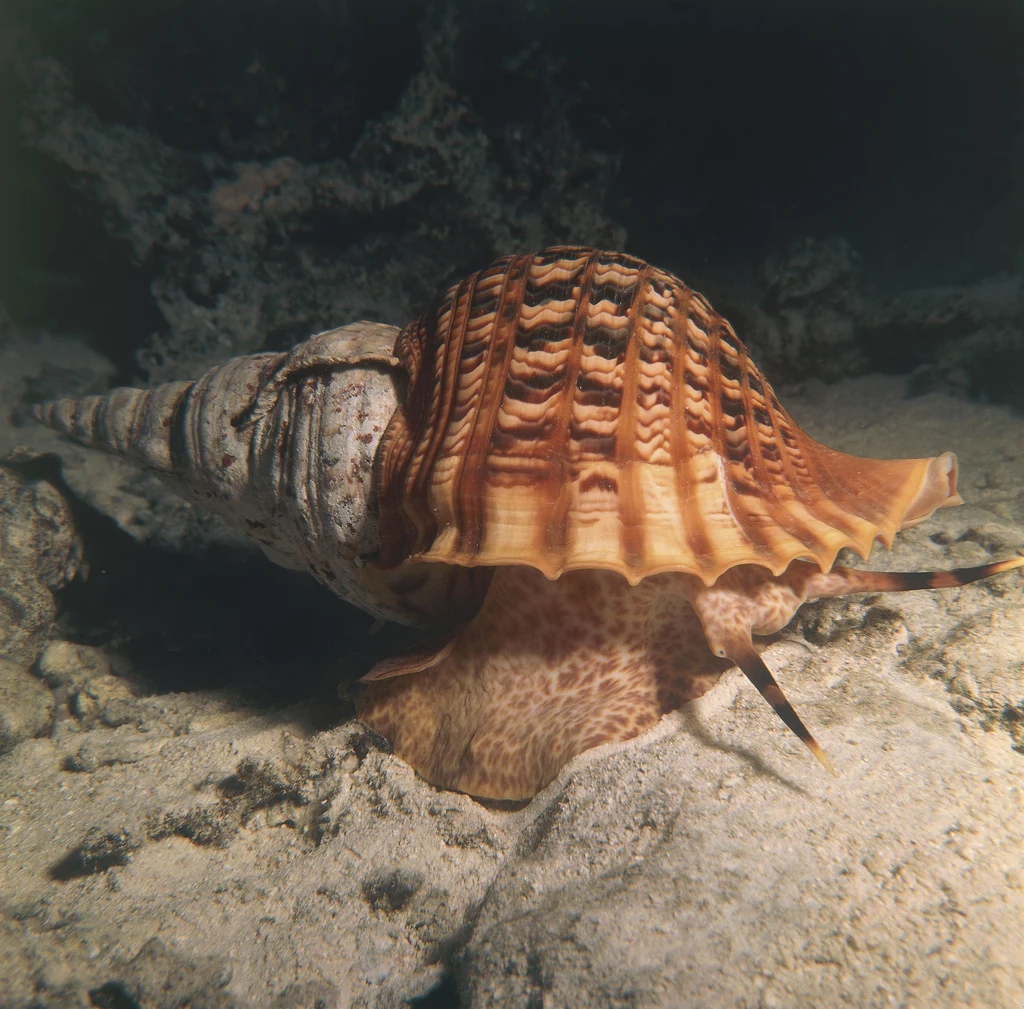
{"x":582,"y":409}
{"x":282,"y":446}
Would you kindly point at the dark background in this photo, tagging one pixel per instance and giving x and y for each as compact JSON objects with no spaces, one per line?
{"x":704,"y":136}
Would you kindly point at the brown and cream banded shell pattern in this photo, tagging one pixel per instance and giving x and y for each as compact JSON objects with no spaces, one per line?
{"x":583,"y":409}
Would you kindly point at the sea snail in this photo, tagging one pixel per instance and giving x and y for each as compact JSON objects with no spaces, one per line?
{"x":570,"y":470}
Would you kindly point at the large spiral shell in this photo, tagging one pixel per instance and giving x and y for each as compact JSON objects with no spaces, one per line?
{"x":582,"y":409}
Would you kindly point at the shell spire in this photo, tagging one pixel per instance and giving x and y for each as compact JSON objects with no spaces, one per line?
{"x":282,"y":447}
{"x":133,"y":423}
{"x":582,"y":409}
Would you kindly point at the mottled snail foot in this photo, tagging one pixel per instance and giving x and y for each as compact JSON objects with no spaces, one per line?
{"x":546,"y":670}
{"x":550,"y":668}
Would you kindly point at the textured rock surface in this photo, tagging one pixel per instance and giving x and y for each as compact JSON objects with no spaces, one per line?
{"x":811,"y":307}
{"x":816,"y":317}
{"x":968,"y":340}
{"x":252,"y":246}
{"x":26,"y":706}
{"x":39,"y":553}
{"x":166,"y":843}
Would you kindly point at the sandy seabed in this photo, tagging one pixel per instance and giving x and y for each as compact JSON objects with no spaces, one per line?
{"x":184,"y":848}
